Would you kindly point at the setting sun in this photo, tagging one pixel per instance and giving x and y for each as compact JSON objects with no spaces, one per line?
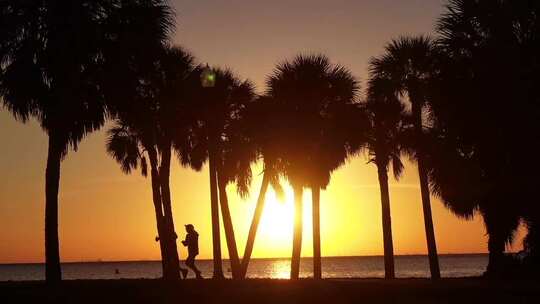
{"x":274,"y":237}
{"x":277,"y":219}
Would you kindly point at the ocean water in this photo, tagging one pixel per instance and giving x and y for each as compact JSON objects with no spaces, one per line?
{"x":333,"y":267}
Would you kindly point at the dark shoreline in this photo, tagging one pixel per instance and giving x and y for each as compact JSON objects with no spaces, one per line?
{"x":461,"y":290}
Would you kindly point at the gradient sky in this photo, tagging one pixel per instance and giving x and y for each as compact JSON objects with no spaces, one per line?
{"x":109,"y":216}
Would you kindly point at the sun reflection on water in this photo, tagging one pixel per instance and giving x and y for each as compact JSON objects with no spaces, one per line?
{"x":281,"y":269}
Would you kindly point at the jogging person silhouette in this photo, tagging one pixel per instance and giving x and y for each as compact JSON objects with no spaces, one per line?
{"x":192,"y":243}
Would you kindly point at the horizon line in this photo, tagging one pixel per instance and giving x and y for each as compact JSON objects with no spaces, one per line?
{"x":268,"y":258}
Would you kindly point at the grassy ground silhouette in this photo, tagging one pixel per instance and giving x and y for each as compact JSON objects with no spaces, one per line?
{"x":466,"y":290}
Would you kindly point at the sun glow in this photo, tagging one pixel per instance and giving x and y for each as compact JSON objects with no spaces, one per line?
{"x":278,"y":215}
{"x":275,"y":232}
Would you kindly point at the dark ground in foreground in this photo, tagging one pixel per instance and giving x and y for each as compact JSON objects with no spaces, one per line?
{"x":467,"y":290}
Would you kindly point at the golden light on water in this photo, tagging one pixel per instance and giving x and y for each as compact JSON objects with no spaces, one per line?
{"x":281,"y":269}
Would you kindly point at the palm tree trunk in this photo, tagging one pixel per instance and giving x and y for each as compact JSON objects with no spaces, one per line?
{"x":158,"y":209}
{"x":297,"y":237}
{"x":254,"y":225}
{"x":499,"y":231}
{"x":496,"y":248}
{"x":164,"y":175}
{"x":315,"y":197}
{"x":53,"y":272}
{"x":424,"y":189}
{"x":428,"y":222}
{"x":229,"y":230}
{"x":389,"y":272}
{"x":214,"y":206}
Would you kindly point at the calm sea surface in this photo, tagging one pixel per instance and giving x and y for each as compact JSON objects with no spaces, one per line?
{"x":333,"y":267}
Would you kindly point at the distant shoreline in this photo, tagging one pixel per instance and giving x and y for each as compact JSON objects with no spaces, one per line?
{"x":264,"y":259}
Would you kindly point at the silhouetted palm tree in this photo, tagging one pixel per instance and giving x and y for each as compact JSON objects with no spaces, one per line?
{"x":51,"y":55}
{"x":386,"y":113}
{"x":171,"y":87}
{"x":131,"y":147}
{"x":270,"y":178}
{"x":198,"y":147}
{"x":457,"y":177}
{"x":212,"y":137}
{"x":313,"y":100}
{"x":253,"y":142}
{"x":480,"y":114}
{"x":156,"y":117}
{"x":408,"y":63}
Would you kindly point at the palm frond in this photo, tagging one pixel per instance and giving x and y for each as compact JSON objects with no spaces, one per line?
{"x":277,"y":186}
{"x":397,"y":166}
{"x":313,"y":99}
{"x":144,"y":167}
{"x":123,"y":146}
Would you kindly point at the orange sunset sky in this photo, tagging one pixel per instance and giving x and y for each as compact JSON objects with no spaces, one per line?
{"x":107,"y":215}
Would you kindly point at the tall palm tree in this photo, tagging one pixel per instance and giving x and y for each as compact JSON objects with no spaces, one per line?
{"x":270,"y":178}
{"x":457,"y":177}
{"x":217,"y":106}
{"x":195,"y":149}
{"x":155,"y":118}
{"x":131,"y":148}
{"x":408,"y":64}
{"x":198,"y":147}
{"x":54,"y":75}
{"x":486,"y":120}
{"x":235,"y":157}
{"x":386,"y":114}
{"x":171,"y":87}
{"x":313,"y":98}
{"x":252,"y":141}
{"x":340,"y":136}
